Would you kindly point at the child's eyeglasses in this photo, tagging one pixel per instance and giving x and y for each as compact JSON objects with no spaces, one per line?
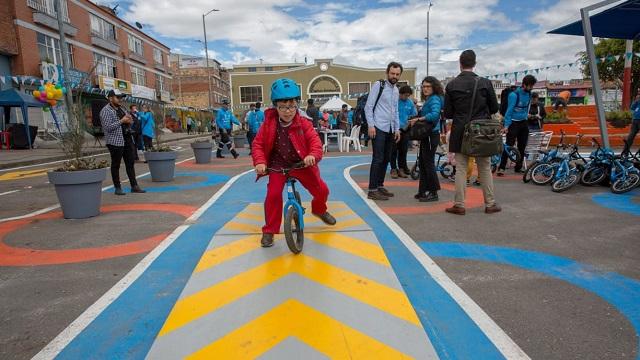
{"x":287,"y":108}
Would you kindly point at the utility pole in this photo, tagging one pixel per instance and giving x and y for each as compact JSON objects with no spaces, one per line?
{"x":428,"y":16}
{"x":206,"y":53}
{"x":64,"y":50}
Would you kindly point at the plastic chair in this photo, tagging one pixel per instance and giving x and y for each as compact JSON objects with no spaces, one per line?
{"x":353,"y":138}
{"x":6,"y":137}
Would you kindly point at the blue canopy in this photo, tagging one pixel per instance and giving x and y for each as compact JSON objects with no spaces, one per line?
{"x":619,"y":22}
{"x":14,"y":98}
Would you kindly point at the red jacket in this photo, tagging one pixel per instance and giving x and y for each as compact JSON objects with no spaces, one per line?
{"x":301,"y":132}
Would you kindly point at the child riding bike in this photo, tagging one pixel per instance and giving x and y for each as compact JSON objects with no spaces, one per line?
{"x":284,"y":139}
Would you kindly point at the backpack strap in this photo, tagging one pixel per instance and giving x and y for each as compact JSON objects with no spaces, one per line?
{"x":379,"y":95}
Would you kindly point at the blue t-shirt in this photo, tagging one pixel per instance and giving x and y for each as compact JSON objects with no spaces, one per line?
{"x":406,"y":109}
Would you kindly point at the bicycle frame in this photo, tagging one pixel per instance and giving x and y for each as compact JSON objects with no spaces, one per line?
{"x":292,"y":201}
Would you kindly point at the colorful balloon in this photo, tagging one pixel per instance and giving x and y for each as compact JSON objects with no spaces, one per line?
{"x":41,"y":88}
{"x":49,"y":95}
{"x":58,"y":86}
{"x":36,"y":94}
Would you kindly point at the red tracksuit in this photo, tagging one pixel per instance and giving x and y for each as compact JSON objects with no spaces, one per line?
{"x":305,"y":141}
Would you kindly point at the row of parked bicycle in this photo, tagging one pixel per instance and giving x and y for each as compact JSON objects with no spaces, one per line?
{"x":564,"y":167}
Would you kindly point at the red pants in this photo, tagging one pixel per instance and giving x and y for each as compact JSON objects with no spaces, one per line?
{"x":310,"y":179}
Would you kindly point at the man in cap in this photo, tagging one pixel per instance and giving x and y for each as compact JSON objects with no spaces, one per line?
{"x":224,"y":118}
{"x":116,"y":124}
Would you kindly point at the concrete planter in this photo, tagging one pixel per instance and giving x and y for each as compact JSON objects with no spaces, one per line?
{"x":239,"y":141}
{"x":202,"y":151}
{"x":79,"y":192}
{"x":162,"y":164}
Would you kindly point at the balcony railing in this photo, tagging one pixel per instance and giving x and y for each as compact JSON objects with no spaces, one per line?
{"x":48,"y":7}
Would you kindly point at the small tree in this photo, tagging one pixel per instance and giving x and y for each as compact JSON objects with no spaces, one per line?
{"x":611,"y":69}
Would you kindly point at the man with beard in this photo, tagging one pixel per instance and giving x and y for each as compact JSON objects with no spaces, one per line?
{"x":383,"y":121}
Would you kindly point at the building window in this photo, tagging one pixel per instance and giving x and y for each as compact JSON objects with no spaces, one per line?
{"x":252,"y":69}
{"x":250,"y":94}
{"x":268,"y":68}
{"x":160,"y":83}
{"x":358,"y":88}
{"x":48,"y":7}
{"x":49,"y":49}
{"x":135,"y":45}
{"x":138,"y":76}
{"x":157,"y":56}
{"x":103,"y":28}
{"x":105,"y":66}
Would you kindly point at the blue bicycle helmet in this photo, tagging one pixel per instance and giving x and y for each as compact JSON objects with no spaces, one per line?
{"x":284,"y":89}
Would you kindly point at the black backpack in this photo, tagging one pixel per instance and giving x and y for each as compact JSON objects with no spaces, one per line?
{"x":504,"y":100}
{"x":358,"y":114}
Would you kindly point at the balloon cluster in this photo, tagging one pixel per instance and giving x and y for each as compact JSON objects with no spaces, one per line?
{"x":49,"y":94}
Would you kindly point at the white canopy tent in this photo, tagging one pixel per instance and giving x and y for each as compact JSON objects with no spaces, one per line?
{"x":334,"y":104}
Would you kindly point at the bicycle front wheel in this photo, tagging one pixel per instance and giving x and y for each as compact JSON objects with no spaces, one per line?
{"x":514,"y":155}
{"x":526,"y":177}
{"x":565,"y":183}
{"x":542,"y":173}
{"x":625,"y":184}
{"x":293,"y":233}
{"x":593,"y":176}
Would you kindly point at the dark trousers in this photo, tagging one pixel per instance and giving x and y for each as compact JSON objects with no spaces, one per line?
{"x":148,"y":142}
{"x":399,"y":152}
{"x":518,"y":131}
{"x":250,"y":137}
{"x":635,"y":127}
{"x":428,"y":176}
{"x":560,"y":102}
{"x":188,"y":129}
{"x":381,"y":145}
{"x":117,"y":154}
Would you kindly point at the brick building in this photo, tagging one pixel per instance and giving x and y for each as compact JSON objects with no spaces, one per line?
{"x":123,"y":55}
{"x":190,"y":87}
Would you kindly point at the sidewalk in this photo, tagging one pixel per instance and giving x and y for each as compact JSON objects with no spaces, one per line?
{"x":48,"y":151}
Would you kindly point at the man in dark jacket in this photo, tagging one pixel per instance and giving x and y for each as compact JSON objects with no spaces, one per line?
{"x":457,"y":106}
{"x":537,"y":113}
{"x":313,"y":113}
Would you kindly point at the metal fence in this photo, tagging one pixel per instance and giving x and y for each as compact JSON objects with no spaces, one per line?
{"x":48,"y":7}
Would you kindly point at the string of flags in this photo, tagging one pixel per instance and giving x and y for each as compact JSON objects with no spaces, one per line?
{"x":609,"y":58}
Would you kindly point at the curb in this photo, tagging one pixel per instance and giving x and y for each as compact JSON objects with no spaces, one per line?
{"x":103,"y":151}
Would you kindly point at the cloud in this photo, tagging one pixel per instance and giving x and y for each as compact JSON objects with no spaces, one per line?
{"x":355,"y":33}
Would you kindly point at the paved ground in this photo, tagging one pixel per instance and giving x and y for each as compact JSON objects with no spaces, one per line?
{"x":555,"y":276}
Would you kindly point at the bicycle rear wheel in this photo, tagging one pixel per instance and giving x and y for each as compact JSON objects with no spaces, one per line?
{"x":625,"y":184}
{"x":514,"y":155}
{"x":593,"y":176}
{"x":526,"y":177}
{"x":293,"y":233}
{"x":447,"y":171}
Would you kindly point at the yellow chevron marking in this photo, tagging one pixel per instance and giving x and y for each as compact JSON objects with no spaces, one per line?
{"x":293,"y":318}
{"x":310,"y":218}
{"x":244,"y":228}
{"x":358,"y":287}
{"x":250,"y":216}
{"x":341,"y":225}
{"x":23,"y":174}
{"x":352,"y":246}
{"x":227,"y":252}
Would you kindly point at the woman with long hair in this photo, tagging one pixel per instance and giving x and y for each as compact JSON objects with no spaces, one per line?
{"x":432,"y":95}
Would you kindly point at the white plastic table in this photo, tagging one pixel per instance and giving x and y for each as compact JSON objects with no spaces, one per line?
{"x":338,"y":132}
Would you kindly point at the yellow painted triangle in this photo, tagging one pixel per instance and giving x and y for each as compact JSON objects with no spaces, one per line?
{"x":23,"y":174}
{"x":229,"y":251}
{"x":352,"y":246}
{"x":293,"y":318}
{"x":365,"y":290}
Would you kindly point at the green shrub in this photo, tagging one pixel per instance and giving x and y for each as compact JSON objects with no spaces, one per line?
{"x":619,"y":119}
{"x":557,"y":118}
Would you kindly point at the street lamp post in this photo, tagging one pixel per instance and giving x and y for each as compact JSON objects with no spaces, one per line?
{"x":206,"y":52}
{"x":428,"y":15}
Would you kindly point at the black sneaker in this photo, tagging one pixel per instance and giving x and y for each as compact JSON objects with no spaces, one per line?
{"x":138,"y":189}
{"x":432,"y":196}
{"x":376,"y":195}
{"x":385,"y":192}
{"x":500,"y":173}
{"x":119,"y":191}
{"x":327,"y":218}
{"x":418,"y":196}
{"x":267,"y":240}
{"x":235,"y":155}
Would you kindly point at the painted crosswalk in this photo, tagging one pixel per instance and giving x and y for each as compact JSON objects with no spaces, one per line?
{"x":338,"y":299}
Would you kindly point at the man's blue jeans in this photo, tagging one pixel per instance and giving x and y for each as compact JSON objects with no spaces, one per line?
{"x":381,"y":146}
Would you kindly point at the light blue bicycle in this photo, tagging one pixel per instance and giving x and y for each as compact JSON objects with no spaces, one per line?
{"x":293,"y":211}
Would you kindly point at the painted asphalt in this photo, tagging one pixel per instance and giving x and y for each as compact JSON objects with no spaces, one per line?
{"x":358,"y":290}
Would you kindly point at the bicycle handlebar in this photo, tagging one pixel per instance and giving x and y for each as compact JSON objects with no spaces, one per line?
{"x":298,"y":165}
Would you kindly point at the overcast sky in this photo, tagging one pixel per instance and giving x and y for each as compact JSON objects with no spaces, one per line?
{"x":508,"y":35}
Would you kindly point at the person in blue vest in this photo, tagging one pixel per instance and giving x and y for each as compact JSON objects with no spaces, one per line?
{"x":148,"y":125}
{"x":254,"y":121}
{"x":399,"y":150}
{"x":635,"y":124}
{"x":224,"y":120}
{"x":516,"y":123}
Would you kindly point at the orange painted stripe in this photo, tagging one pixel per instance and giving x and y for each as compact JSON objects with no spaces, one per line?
{"x":18,"y":256}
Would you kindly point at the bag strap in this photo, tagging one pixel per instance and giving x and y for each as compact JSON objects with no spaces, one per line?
{"x":473,"y":98}
{"x":379,"y":95}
